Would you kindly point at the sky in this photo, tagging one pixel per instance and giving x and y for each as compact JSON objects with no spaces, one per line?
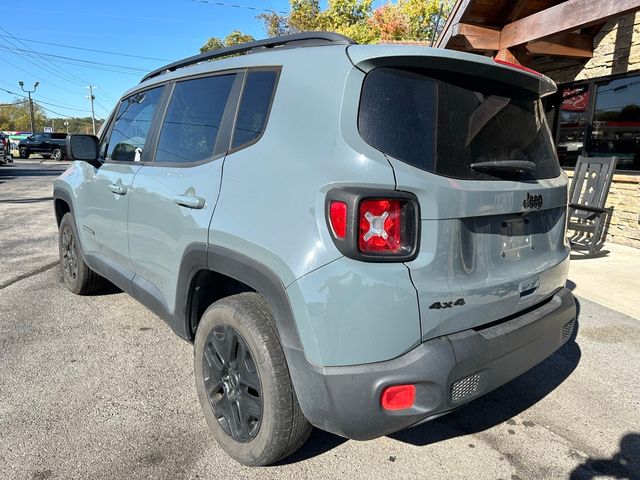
{"x":68,"y":45}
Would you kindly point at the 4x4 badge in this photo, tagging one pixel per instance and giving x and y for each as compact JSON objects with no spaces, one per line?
{"x":532,"y":201}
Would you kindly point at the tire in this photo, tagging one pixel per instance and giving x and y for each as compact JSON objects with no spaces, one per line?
{"x":240,"y":367}
{"x":77,"y":276}
{"x":24,"y":153}
{"x":57,"y":154}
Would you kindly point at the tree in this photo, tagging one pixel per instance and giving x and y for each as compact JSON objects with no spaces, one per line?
{"x":76,"y":125}
{"x":16,"y":116}
{"x":416,"y":20}
{"x":234,"y":38}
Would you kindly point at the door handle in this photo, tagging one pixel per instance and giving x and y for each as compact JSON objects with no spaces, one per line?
{"x":189,"y":201}
{"x":118,"y":188}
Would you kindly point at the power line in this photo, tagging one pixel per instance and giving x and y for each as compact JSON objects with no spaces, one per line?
{"x":246,"y":7}
{"x":46,"y":103}
{"x":29,"y":73}
{"x":55,"y":113}
{"x":74,"y":59}
{"x":38,"y":54}
{"x":93,"y":50}
{"x":13,"y":104}
{"x":40,"y":97}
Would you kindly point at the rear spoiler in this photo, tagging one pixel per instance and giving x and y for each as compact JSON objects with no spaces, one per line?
{"x":367,"y":57}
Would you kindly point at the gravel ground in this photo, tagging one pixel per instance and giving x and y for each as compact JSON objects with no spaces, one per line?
{"x":99,"y":387}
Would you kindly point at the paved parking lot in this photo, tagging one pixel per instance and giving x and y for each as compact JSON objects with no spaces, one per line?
{"x":99,"y":387}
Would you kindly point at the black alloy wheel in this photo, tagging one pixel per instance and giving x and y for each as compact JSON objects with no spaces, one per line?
{"x":69,"y":254}
{"x":77,"y":276}
{"x":232,"y":383}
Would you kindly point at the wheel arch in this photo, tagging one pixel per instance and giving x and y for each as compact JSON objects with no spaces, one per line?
{"x":231,"y":272}
{"x":61,"y":204}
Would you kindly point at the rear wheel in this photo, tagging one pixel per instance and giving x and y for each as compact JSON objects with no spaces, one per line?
{"x":243,"y":382}
{"x":77,"y":276}
{"x":56,"y":154}
{"x":24,"y":153}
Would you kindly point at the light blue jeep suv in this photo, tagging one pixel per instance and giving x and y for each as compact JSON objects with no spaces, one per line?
{"x":358,"y":238}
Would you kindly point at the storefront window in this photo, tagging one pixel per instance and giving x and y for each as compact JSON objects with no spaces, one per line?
{"x":572,"y":123}
{"x":616,"y":122}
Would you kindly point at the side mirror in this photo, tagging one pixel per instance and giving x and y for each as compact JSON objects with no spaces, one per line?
{"x":85,"y":148}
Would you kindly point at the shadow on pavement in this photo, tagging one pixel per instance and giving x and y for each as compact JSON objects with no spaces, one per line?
{"x":624,"y":465}
{"x":481,"y":414}
{"x":502,"y":404}
{"x":26,"y":200}
{"x":578,"y":255}
{"x":13,"y":172}
{"x":318,"y":443}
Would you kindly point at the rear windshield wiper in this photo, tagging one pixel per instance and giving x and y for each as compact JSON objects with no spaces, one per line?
{"x":507,"y":166}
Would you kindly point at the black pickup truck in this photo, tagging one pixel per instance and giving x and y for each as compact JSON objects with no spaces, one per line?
{"x":49,"y":145}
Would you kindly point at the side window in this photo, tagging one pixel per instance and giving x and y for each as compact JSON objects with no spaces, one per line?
{"x":193,"y":119}
{"x":131,"y":126}
{"x":254,"y":107}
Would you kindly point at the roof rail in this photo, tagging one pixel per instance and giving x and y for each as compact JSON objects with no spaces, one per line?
{"x":305,"y":39}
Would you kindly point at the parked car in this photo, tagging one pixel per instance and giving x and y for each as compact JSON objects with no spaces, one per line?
{"x":5,"y":148}
{"x":358,"y":238}
{"x":49,"y":145}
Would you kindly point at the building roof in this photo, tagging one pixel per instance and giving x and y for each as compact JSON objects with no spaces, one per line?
{"x":542,"y":34}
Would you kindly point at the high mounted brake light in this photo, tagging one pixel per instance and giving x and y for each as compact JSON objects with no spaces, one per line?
{"x":374,"y":225}
{"x":519,"y":67}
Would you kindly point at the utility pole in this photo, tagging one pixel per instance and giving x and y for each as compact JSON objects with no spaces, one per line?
{"x":93,"y":115}
{"x":29,"y":92}
{"x":66,"y":124}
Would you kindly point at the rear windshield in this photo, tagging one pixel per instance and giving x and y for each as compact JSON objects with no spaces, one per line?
{"x":59,"y":136}
{"x":444,"y":123}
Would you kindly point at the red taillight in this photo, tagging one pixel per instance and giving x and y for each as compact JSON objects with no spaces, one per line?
{"x":519,"y":67}
{"x":398,"y":397}
{"x":381,"y":226}
{"x":338,"y":217}
{"x":373,"y":225}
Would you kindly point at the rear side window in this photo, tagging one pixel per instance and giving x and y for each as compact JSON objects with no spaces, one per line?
{"x":131,"y":126}
{"x":254,"y":107}
{"x":191,"y":125}
{"x":444,"y":123}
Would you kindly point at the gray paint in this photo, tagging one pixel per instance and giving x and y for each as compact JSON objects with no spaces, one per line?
{"x":266,"y":202}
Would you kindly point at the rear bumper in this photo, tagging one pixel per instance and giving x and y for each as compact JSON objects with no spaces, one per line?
{"x":447,"y":371}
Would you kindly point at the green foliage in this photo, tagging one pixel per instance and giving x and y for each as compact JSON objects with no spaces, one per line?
{"x":76,"y":125}
{"x":403,"y":20}
{"x":416,"y":20}
{"x":16,"y":117}
{"x":420,"y":16}
{"x":234,"y":38}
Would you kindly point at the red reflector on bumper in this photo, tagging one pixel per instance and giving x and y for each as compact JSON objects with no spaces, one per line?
{"x":398,"y":397}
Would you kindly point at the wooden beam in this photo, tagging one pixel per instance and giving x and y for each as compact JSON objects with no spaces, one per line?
{"x":564,"y":45}
{"x":512,"y":55}
{"x":477,"y":37}
{"x":569,"y":15}
{"x":454,"y":17}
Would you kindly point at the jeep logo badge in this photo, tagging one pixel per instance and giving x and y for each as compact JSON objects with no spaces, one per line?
{"x":532,"y":201}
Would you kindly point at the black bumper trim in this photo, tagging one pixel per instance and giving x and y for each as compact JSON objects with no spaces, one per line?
{"x":346,"y":400}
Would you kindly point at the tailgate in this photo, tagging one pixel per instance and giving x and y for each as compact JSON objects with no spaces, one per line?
{"x":469,"y":138}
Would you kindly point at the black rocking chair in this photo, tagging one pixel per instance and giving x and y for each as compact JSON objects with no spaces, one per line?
{"x":588,"y":217}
